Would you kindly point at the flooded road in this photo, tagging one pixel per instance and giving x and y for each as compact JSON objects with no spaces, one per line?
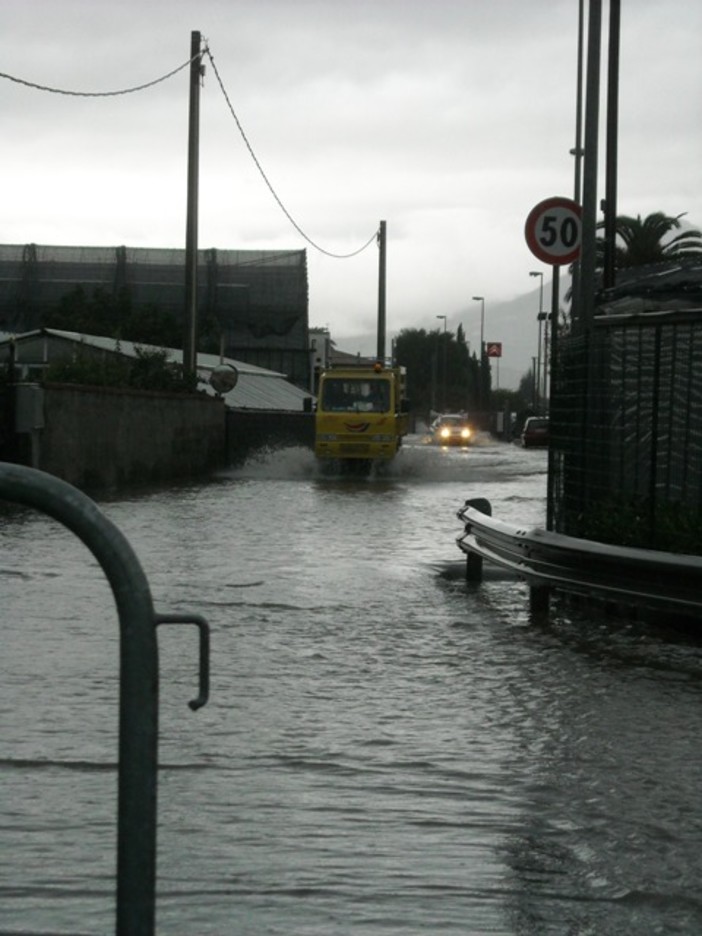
{"x":386,"y":750}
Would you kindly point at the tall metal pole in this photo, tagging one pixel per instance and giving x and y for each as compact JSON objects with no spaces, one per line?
{"x":550,"y":476}
{"x":592,"y":112}
{"x":443,"y":401}
{"x":539,"y":319}
{"x":578,"y":153}
{"x":535,"y":392}
{"x":190,"y":335}
{"x":382,"y":238}
{"x":610,"y":225}
{"x":481,"y":300}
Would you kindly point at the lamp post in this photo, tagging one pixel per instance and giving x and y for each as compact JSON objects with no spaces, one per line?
{"x":534,"y":389}
{"x":537,"y":381}
{"x":481,"y":300}
{"x":444,"y":381}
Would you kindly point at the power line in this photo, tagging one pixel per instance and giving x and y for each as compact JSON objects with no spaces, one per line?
{"x":268,"y":183}
{"x":150,"y":84}
{"x":96,"y":94}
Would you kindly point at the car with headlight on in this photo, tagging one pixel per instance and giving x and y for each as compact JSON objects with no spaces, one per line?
{"x":452,"y":429}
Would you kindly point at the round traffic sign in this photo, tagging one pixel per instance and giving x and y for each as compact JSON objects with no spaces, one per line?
{"x":553,"y":230}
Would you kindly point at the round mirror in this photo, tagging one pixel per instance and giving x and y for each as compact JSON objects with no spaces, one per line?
{"x":224,"y":378}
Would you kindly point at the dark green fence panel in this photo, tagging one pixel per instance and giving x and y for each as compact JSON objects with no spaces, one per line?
{"x":627,"y":432}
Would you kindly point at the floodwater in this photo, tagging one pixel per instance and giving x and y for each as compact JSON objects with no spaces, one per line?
{"x":387,"y":749}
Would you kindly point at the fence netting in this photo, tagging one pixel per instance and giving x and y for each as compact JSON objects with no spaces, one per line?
{"x":626,"y":430}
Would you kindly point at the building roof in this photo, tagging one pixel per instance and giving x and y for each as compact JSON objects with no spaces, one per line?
{"x":256,"y":388}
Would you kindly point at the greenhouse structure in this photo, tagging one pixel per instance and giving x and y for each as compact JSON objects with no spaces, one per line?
{"x":256,"y":301}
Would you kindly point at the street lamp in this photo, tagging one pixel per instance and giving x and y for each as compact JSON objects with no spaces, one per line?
{"x":537,"y":381}
{"x":444,"y":383}
{"x":481,"y":300}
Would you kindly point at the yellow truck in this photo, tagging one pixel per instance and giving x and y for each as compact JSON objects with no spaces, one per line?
{"x":362,"y":414}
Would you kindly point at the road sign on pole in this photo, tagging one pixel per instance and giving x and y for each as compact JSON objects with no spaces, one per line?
{"x":553,"y":230}
{"x":494,"y":349}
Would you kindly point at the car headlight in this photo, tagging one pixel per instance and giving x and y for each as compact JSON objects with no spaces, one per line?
{"x":465,"y":433}
{"x":445,"y":433}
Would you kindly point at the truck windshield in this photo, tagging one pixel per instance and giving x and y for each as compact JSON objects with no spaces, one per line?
{"x":349,"y":395}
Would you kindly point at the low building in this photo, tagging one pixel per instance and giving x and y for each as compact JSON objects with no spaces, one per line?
{"x":256,"y":387}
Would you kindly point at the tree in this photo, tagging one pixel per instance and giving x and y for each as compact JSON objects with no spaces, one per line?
{"x":422,"y":353}
{"x":646,"y":240}
{"x":113,"y":315}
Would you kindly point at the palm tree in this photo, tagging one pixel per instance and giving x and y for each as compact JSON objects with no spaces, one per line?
{"x":647,"y":240}
{"x":644,"y":242}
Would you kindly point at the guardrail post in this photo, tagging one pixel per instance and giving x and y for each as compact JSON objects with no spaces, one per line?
{"x":474,"y":562}
{"x":539,"y":599}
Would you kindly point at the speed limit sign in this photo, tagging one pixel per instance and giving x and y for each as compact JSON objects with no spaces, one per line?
{"x":553,"y":230}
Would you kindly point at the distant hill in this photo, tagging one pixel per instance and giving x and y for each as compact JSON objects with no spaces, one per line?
{"x":514,"y":323}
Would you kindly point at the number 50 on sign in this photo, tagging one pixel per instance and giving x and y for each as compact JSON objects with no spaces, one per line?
{"x":553,"y":230}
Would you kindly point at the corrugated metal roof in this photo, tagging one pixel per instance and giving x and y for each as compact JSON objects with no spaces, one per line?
{"x":257,"y":388}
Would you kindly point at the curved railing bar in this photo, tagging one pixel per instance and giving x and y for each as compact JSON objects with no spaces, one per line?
{"x":549,"y":561}
{"x":138,"y":706}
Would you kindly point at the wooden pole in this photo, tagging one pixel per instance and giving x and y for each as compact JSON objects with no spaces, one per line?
{"x":190,"y":334}
{"x":382,"y":236}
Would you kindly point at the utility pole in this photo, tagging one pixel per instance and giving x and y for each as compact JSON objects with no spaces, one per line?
{"x":190,"y":334}
{"x":382,"y":236}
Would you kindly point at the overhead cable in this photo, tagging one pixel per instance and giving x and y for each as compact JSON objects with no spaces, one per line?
{"x":150,"y":84}
{"x":258,"y":165}
{"x":94,"y":94}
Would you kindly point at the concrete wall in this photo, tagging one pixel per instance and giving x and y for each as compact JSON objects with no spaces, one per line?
{"x":103,"y":438}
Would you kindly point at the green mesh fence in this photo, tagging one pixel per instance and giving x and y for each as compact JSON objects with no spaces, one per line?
{"x":626,"y":430}
{"x":254,"y":301}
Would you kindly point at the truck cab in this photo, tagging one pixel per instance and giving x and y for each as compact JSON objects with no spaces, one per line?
{"x":362,"y":413}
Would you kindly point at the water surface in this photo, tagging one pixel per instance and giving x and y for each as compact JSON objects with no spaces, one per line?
{"x":387,"y":750}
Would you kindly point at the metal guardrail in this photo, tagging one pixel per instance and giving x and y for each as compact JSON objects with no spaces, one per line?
{"x":138,"y":705}
{"x":546,"y":561}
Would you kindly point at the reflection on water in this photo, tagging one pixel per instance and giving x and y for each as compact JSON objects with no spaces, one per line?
{"x":386,"y":750}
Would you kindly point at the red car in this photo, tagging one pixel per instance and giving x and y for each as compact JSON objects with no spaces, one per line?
{"x":535,"y":431}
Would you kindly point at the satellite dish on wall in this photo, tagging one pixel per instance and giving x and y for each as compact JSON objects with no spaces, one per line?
{"x":224,"y":378}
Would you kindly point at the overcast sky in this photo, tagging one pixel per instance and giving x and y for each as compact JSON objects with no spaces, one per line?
{"x":447,"y":119}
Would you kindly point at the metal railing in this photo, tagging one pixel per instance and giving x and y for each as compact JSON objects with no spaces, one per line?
{"x":138,"y":706}
{"x":546,"y":561}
